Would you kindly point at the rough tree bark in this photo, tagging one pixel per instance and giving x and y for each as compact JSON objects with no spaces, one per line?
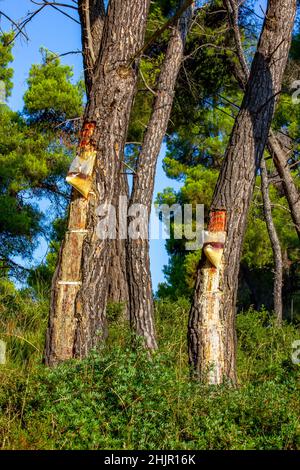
{"x":138,"y":263}
{"x":61,"y":327}
{"x":275,"y":243}
{"x":79,"y":289}
{"x":279,"y":157}
{"x":212,"y":337}
{"x":92,"y":14}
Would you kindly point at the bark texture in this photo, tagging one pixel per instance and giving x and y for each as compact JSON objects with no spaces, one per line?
{"x":80,"y":284}
{"x":212,"y":337}
{"x":117,"y":278}
{"x":275,"y":243}
{"x":92,"y":15}
{"x":138,"y":263}
{"x":274,"y":146}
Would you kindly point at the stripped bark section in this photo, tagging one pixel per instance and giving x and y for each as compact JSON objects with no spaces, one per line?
{"x":211,"y":324}
{"x":62,"y":323}
{"x":234,"y":189}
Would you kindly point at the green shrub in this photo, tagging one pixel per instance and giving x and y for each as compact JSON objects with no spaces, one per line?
{"x":119,"y":399}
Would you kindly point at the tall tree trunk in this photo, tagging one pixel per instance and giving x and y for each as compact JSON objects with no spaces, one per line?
{"x":138,"y":263}
{"x":67,"y":276}
{"x":275,"y":243}
{"x":92,"y":15}
{"x":79,"y":290}
{"x":212,"y":336}
{"x":274,"y":146}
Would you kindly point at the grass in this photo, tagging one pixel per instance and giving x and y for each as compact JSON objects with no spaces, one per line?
{"x":116,"y":399}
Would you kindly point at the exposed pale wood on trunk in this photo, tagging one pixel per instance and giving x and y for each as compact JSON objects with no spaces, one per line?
{"x":141,"y":306}
{"x":275,"y":243}
{"x":233,"y":194}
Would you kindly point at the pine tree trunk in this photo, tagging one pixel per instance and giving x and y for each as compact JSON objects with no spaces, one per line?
{"x":279,"y":157}
{"x":92,"y":14}
{"x":141,"y":305}
{"x":212,"y":336}
{"x":275,"y":243}
{"x":80,"y":285}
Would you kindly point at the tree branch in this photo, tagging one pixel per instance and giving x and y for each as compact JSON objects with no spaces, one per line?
{"x":92,"y":14}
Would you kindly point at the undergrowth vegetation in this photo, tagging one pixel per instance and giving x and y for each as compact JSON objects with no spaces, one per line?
{"x":119,"y":399}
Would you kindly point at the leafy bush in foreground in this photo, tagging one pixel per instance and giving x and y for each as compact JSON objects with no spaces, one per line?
{"x":117,"y":399}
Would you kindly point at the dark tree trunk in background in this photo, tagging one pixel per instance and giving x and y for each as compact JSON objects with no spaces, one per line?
{"x":80,"y":285}
{"x":138,"y":263}
{"x":275,"y":243}
{"x":212,"y":336}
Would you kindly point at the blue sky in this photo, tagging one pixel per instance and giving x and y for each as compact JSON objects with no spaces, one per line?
{"x":59,"y":34}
